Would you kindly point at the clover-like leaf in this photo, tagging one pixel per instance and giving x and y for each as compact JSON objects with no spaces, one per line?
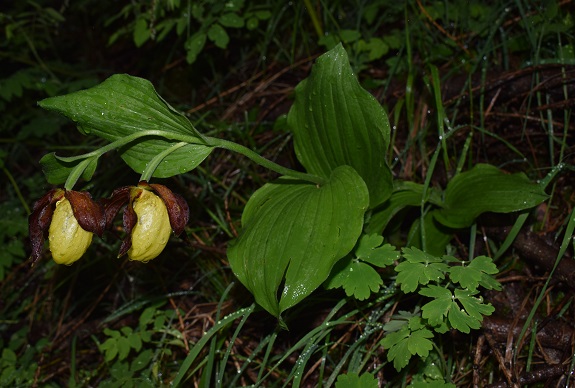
{"x":489,"y":282}
{"x":409,"y":340}
{"x":397,"y":344}
{"x":475,"y":273}
{"x":419,"y":343}
{"x":473,"y":305}
{"x":356,"y":278}
{"x":336,"y":122}
{"x":371,"y":251}
{"x":439,"y":307}
{"x":419,"y":268}
{"x":122,"y":106}
{"x":353,"y":380}
{"x":293,"y":234}
{"x":445,"y":305}
{"x":353,"y":273}
{"x":401,"y":319}
{"x":218,"y":35}
{"x":462,"y":321}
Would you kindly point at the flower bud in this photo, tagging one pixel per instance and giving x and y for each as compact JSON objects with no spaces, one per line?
{"x":152,"y":230}
{"x":67,"y":240}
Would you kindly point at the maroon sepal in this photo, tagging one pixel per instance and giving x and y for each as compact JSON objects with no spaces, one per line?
{"x":112,"y":205}
{"x":39,"y":221}
{"x":130,"y":219}
{"x":88,"y":213}
{"x":178,"y":210}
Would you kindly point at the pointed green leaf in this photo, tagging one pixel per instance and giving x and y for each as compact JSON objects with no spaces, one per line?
{"x":293,"y":233}
{"x":486,"y":188}
{"x":336,"y":122}
{"x":124,"y":105}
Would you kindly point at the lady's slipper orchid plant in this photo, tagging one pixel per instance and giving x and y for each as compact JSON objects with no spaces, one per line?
{"x":69,"y":218}
{"x":148,"y":218}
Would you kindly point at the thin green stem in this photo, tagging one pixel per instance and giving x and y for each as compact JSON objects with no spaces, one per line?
{"x":77,"y":173}
{"x":314,"y":19}
{"x":255,"y":157}
{"x":154,"y":163}
{"x":441,"y":116}
{"x":16,"y":189}
{"x":206,"y":141}
{"x":130,"y":138}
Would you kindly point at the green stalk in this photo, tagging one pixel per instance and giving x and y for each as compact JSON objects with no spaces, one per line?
{"x":314,"y":19}
{"x":154,"y":163}
{"x":77,"y":173}
{"x":130,"y":138}
{"x":183,"y":140}
{"x":16,"y":189}
{"x":255,"y":157}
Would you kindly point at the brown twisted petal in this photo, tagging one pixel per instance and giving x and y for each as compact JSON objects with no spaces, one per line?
{"x":88,"y":213}
{"x":112,"y":205}
{"x":129,"y":220}
{"x":39,"y":221}
{"x":178,"y":210}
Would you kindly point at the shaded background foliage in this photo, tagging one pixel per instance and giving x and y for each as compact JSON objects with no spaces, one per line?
{"x":506,"y":71}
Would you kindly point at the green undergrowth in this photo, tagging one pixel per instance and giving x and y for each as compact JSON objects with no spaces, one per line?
{"x":474,"y":96}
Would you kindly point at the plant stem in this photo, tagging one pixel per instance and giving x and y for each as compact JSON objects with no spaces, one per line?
{"x":314,"y":18}
{"x":16,"y":189}
{"x":77,"y":173}
{"x":154,"y":163}
{"x":254,"y":156}
{"x":187,"y":139}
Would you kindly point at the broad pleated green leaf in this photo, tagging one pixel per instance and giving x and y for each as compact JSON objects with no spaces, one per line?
{"x":123,"y":105}
{"x":336,"y":122}
{"x":293,"y":233}
{"x":486,"y":188}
